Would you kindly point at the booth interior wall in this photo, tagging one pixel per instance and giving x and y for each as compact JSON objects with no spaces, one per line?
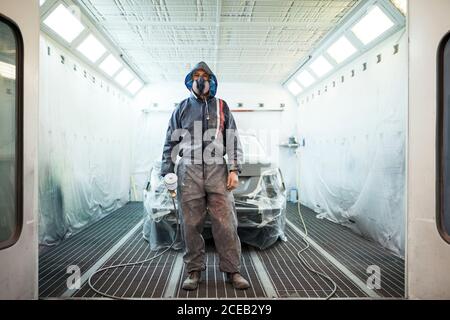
{"x":84,"y":139}
{"x":353,"y":162}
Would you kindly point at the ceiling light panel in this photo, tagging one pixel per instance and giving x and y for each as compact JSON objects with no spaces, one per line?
{"x":321,"y":66}
{"x":91,"y":48}
{"x":124,"y":77}
{"x":64,"y":23}
{"x":294,"y":88}
{"x":110,"y":65}
{"x":306,"y":79}
{"x":341,"y":49}
{"x":372,"y":25}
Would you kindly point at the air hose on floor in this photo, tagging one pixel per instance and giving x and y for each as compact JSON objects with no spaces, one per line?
{"x":171,"y":185}
{"x":305,"y":238}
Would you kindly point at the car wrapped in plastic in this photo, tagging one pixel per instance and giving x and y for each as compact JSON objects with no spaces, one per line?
{"x":260,"y":201}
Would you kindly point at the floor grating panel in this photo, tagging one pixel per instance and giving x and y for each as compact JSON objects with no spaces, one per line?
{"x":276,"y":269}
{"x":84,"y":248}
{"x":214,"y":283}
{"x":355,"y":252}
{"x":147,"y":280}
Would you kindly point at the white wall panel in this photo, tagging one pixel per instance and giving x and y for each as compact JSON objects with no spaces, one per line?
{"x":85,"y":150}
{"x":353,"y":164}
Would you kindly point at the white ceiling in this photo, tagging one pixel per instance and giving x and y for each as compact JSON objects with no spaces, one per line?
{"x":249,"y":41}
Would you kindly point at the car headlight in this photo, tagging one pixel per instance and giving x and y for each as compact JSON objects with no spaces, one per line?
{"x":270,"y":185}
{"x":269,"y":197}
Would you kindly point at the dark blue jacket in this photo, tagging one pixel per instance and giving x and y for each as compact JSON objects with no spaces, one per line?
{"x":211,"y":116}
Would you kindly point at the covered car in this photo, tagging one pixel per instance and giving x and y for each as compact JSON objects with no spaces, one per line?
{"x":260,"y":202}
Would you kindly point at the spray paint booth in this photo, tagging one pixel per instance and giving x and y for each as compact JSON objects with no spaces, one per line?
{"x":322,"y":85}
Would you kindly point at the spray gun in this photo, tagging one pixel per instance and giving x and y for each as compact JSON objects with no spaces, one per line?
{"x":170,"y":180}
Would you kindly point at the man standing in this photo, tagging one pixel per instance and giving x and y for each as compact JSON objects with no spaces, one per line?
{"x":202,"y":131}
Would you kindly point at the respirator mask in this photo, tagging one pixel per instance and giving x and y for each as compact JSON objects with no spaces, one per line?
{"x":201,"y":86}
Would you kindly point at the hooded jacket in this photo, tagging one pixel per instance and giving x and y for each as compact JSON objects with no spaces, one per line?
{"x":195,"y":118}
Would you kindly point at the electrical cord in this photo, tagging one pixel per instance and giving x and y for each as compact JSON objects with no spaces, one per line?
{"x":305,"y":239}
{"x":133,"y":263}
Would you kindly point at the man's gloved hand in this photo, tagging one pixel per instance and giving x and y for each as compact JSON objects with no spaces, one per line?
{"x":233,"y":180}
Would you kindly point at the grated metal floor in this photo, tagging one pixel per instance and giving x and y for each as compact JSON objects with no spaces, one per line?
{"x":147,"y":280}
{"x":214,"y":283}
{"x":354,"y":251}
{"x":84,"y":248}
{"x":275,"y":272}
{"x":291,"y":279}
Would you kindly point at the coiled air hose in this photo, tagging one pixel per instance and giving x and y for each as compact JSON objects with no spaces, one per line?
{"x":306,"y":241}
{"x":104,"y":294}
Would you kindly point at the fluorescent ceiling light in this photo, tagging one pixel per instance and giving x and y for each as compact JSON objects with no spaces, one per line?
{"x":306,"y":79}
{"x":402,"y":5}
{"x":134,"y":86}
{"x":91,"y":48}
{"x":124,"y":77}
{"x":110,"y":65}
{"x":373,"y":25}
{"x":7,"y":70}
{"x":294,"y":88}
{"x":64,"y":23}
{"x":341,"y":49}
{"x":321,"y":66}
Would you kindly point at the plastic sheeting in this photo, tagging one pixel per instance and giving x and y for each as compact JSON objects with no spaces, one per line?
{"x":160,"y":218}
{"x":84,"y":146}
{"x":148,"y":141}
{"x":352,"y":168}
{"x":261,"y":213}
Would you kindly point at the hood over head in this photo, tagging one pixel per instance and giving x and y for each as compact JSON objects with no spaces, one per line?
{"x":212,"y":78}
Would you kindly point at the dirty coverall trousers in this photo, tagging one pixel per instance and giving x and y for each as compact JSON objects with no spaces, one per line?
{"x":203,"y":190}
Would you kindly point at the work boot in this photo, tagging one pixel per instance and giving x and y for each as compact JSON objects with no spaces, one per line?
{"x":192,"y":281}
{"x":238,"y":281}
